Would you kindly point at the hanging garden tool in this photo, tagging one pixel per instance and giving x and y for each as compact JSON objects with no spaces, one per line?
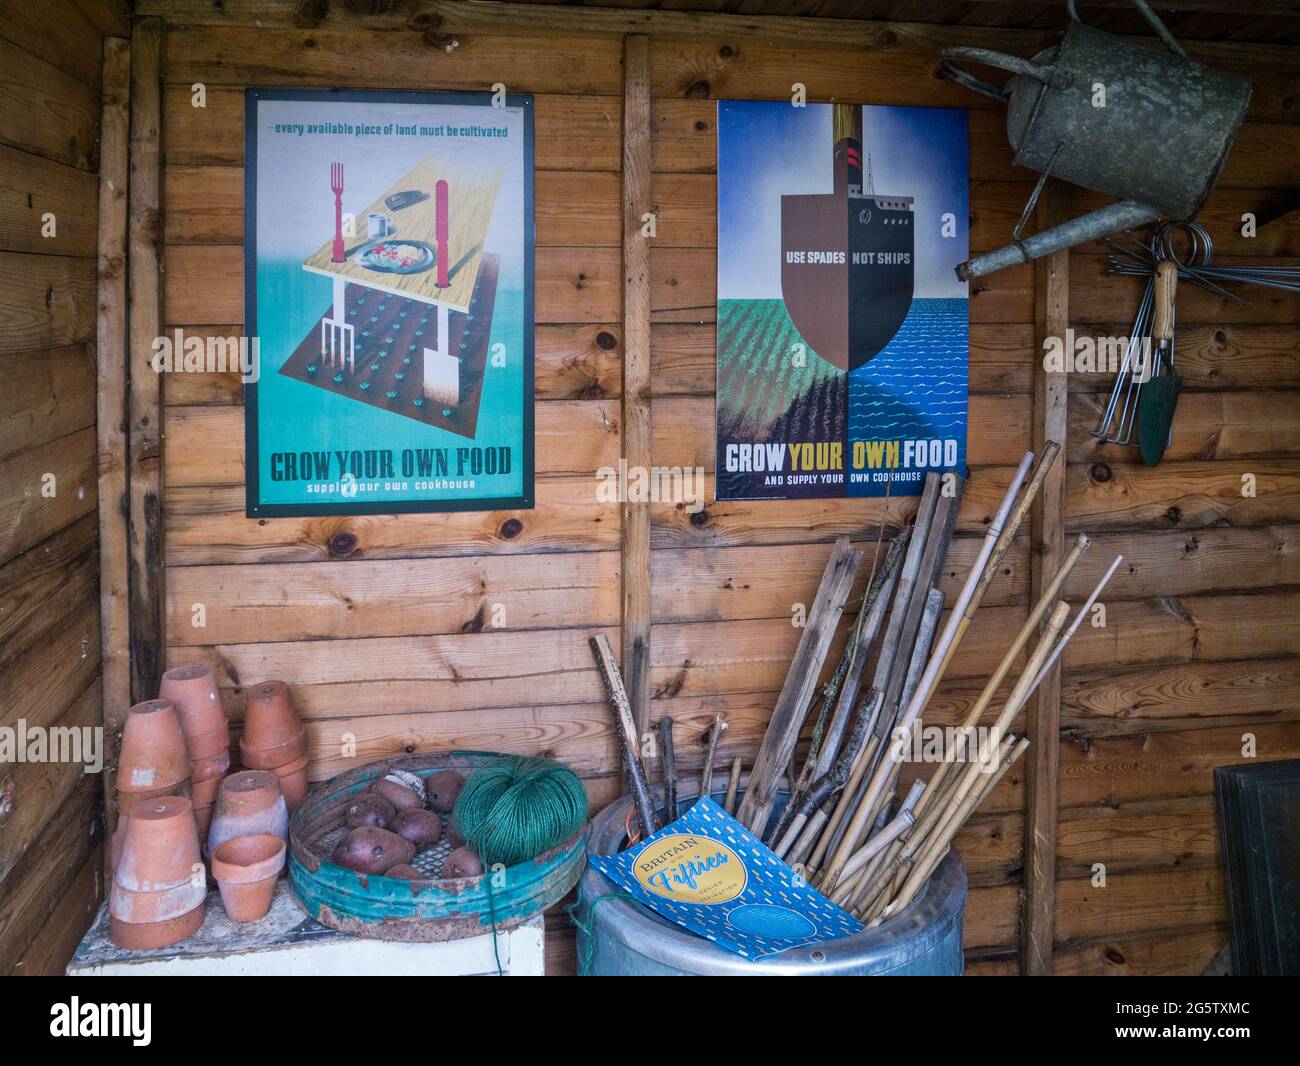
{"x":1103,"y":112}
{"x":1160,"y":394}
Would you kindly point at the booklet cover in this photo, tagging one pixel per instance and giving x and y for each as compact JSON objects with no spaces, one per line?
{"x":708,"y":873}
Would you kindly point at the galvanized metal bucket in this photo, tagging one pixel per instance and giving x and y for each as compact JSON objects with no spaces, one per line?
{"x":431,"y":909}
{"x":617,"y":937}
{"x":1148,"y":127}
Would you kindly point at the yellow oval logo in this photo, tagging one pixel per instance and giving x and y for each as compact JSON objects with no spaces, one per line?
{"x":691,"y":869}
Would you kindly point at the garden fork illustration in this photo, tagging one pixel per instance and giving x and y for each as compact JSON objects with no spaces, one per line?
{"x":336,"y":336}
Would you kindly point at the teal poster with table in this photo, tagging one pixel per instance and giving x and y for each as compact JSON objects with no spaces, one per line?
{"x":389,"y":300}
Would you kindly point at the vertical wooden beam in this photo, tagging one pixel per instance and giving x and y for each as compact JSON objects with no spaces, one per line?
{"x":636,"y":372}
{"x":110,"y":400}
{"x":145,"y":403}
{"x":1052,"y":316}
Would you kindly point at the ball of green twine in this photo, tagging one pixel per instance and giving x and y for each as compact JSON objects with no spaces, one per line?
{"x":515,"y":809}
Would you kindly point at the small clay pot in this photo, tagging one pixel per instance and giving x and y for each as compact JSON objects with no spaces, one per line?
{"x":405,"y":872}
{"x":126,"y":799}
{"x":369,"y":809}
{"x":421,"y":828}
{"x":153,"y":757}
{"x":160,"y":847}
{"x":461,"y":863}
{"x":246,"y":869}
{"x":211,"y":766}
{"x":154,"y":934}
{"x":248,"y":803}
{"x":401,"y":797}
{"x":444,"y":789}
{"x":270,"y":719}
{"x":272,"y":758}
{"x":208,"y":745}
{"x":149,"y":908}
{"x":370,"y":850}
{"x":193,"y":689}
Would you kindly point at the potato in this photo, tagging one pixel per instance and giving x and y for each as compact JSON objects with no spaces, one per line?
{"x":454,"y":837}
{"x":421,"y":828}
{"x":401,"y":797}
{"x":461,"y":863}
{"x":369,"y":809}
{"x":443,"y":789}
{"x":406,"y":872}
{"x":371,"y":850}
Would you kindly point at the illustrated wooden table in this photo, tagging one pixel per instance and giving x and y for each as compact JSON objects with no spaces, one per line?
{"x":405,"y":342}
{"x":288,"y":943}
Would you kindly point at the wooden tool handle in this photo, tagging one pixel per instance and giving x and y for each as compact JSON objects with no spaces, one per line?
{"x":1166,"y":287}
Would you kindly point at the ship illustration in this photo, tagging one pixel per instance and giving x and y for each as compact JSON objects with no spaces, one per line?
{"x":848,"y":256}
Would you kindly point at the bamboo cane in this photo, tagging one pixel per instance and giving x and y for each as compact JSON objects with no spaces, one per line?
{"x":921,"y":873}
{"x":937,"y":816}
{"x":733,"y":786}
{"x":958,"y":623}
{"x":995,"y":680}
{"x":669,"y":757}
{"x":1078,"y":618}
{"x":706,"y":774}
{"x":842,"y":808}
{"x":808,"y":837}
{"x":901,"y":823}
{"x":625,"y":730}
{"x":857,"y":885}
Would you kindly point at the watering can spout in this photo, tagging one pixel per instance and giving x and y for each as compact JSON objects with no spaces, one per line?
{"x":1127,"y":214}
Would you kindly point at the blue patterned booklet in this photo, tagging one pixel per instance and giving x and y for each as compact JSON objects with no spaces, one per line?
{"x":708,"y":873}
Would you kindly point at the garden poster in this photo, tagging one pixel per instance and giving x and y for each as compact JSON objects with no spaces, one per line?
{"x":389,"y":292}
{"x":842,"y":347}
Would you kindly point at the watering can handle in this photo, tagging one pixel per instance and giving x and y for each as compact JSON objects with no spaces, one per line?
{"x":1153,"y":20}
{"x":992,"y":59}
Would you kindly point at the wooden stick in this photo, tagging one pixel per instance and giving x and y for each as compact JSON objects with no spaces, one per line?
{"x":808,"y":837}
{"x":625,"y":729}
{"x":1030,"y":627}
{"x":706,"y":774}
{"x":871,"y":615}
{"x":733,"y":786}
{"x":783,"y":729}
{"x":958,"y":623}
{"x":830,"y":783}
{"x":842,"y":808}
{"x":669,"y":756}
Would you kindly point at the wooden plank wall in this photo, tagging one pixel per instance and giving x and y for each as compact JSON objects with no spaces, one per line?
{"x":51,"y":57}
{"x":380,"y":623}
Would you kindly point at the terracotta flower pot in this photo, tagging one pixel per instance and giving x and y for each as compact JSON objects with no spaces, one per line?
{"x":160,"y":848}
{"x":272,"y":758}
{"x":153,"y":757}
{"x":203,"y":819}
{"x":248,"y":803}
{"x":293,"y":782}
{"x":126,"y":799}
{"x":204,"y":793}
{"x":154,"y":934}
{"x":246,"y":869}
{"x":270,"y":719}
{"x":149,"y":908}
{"x":194,"y":691}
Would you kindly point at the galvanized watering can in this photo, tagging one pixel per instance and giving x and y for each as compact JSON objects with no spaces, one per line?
{"x":1119,"y":118}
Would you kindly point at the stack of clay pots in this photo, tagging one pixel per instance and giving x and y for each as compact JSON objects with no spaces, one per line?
{"x":159,"y":884}
{"x":247,"y":842}
{"x":193,"y":689}
{"x":153,"y":761}
{"x":275,"y":739}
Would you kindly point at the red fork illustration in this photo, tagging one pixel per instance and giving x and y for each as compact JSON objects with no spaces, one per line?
{"x":339,"y":253}
{"x":441,"y":229}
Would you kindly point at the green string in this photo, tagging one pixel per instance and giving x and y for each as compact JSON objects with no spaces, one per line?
{"x":588,"y":929}
{"x":517,"y":808}
{"x":492,"y":917}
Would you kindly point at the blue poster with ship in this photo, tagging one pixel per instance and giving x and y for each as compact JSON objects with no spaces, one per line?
{"x":842,"y":347}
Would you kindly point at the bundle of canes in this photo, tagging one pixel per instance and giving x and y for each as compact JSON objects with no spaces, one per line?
{"x":997,"y":539}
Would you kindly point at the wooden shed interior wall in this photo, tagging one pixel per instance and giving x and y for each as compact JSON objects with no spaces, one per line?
{"x":51,"y":63}
{"x":384,"y":626}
